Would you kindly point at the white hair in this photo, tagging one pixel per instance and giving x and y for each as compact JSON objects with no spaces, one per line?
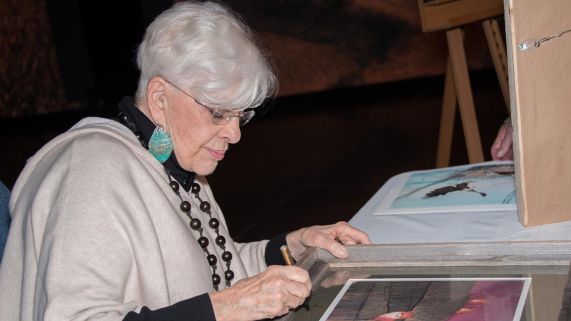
{"x":207,"y":50}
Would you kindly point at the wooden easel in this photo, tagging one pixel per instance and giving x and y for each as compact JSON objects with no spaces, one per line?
{"x":450,"y":16}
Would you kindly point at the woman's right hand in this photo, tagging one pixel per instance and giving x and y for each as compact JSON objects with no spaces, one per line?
{"x":267,"y":295}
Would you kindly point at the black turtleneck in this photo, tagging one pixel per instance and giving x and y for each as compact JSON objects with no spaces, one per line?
{"x":199,"y":307}
{"x":143,"y":128}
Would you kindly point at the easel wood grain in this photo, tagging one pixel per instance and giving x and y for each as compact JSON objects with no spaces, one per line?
{"x":447,"y":117}
{"x":499,"y":56}
{"x":457,"y":56}
{"x":442,"y":15}
{"x":450,"y":16}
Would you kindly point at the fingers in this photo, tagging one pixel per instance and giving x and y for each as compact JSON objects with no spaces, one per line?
{"x":494,"y":152}
{"x":508,"y":155}
{"x":267,"y":295}
{"x":348,"y":234}
{"x":502,"y":148}
{"x":505,"y":151}
{"x":297,"y":294}
{"x":332,"y":237}
{"x":292,"y":273}
{"x":496,"y":146}
{"x":289,"y":285}
{"x":293,"y":279}
{"x":323,"y":237}
{"x":333,"y":247}
{"x":328,"y":237}
{"x":346,"y":240}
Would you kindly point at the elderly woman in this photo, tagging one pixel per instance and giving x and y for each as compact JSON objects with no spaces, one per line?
{"x":116,"y":221}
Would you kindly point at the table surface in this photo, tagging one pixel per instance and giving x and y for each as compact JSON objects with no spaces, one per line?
{"x":451,"y":226}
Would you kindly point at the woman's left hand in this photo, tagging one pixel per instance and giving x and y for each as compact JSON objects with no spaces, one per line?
{"x":327,"y":237}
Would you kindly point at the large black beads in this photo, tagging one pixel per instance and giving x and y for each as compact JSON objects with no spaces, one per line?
{"x":212,"y":259}
{"x":195,"y":224}
{"x":205,"y":206}
{"x":185,"y":206}
{"x":215,"y":279}
{"x":203,"y":241}
{"x":220,"y":240}
{"x":174,"y":185}
{"x":226,"y":256}
{"x":214,"y":223}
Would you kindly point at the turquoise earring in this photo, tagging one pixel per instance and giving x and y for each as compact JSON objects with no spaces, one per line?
{"x":160,"y":144}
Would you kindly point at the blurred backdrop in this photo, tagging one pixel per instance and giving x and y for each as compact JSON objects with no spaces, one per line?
{"x":360,"y":93}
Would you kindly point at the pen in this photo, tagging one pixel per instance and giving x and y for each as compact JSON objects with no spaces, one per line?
{"x":286,"y":255}
{"x":289,"y":261}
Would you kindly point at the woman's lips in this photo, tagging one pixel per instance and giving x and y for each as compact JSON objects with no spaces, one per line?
{"x":217,"y":154}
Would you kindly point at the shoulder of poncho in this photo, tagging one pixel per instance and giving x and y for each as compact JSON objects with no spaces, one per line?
{"x":91,"y":137}
{"x":92,"y":128}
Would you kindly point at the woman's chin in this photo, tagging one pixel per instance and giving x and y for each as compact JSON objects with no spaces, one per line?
{"x":205,"y":168}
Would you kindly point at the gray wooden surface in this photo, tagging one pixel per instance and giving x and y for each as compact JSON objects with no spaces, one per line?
{"x":490,"y":259}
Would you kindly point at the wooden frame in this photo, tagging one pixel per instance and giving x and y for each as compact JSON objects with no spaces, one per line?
{"x":492,"y":259}
{"x":539,"y":96}
{"x":440,"y":15}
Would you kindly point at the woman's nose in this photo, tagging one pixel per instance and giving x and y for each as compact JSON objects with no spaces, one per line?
{"x":232,"y":131}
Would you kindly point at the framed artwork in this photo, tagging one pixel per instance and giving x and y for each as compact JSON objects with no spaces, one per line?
{"x":492,"y":281}
{"x":486,"y":186}
{"x":430,"y":299}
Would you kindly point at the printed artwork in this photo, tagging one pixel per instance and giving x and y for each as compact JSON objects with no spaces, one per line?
{"x":485,"y":186}
{"x":439,"y":299}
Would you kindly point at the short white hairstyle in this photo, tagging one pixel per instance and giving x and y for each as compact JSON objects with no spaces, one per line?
{"x":208,"y":51}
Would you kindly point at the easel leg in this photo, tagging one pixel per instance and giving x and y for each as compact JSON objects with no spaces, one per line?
{"x":465,"y":100}
{"x":498,"y":53}
{"x":446,"y":120}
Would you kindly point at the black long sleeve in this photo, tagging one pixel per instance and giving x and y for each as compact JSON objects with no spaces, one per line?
{"x":273,"y":255}
{"x":200,"y":307}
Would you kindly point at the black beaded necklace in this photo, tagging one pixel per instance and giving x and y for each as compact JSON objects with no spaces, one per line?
{"x":203,"y":241}
{"x":195,"y":223}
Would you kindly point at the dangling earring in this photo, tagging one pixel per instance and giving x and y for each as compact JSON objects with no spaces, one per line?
{"x":160,"y":144}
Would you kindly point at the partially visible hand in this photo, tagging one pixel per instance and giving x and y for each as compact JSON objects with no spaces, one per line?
{"x":327,"y":237}
{"x":502,"y":148}
{"x":267,"y":295}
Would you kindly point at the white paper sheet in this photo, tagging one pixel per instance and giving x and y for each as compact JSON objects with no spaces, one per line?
{"x":451,"y":226}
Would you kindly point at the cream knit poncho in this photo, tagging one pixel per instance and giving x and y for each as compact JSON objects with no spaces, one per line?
{"x":97,"y":232}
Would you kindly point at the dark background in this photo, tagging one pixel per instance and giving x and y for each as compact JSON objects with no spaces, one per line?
{"x":330,"y":140}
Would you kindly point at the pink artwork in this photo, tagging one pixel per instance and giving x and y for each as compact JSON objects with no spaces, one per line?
{"x":434,"y":299}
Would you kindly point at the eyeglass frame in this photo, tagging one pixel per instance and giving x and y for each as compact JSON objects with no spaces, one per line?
{"x":221,"y":116}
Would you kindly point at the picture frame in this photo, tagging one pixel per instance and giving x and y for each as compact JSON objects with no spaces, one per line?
{"x":430,"y":299}
{"x":488,"y":186}
{"x":546,"y":263}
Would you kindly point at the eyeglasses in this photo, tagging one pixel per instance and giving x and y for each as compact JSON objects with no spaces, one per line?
{"x":221,"y":116}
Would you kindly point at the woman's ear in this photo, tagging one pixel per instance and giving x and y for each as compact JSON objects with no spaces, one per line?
{"x":157,"y":100}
